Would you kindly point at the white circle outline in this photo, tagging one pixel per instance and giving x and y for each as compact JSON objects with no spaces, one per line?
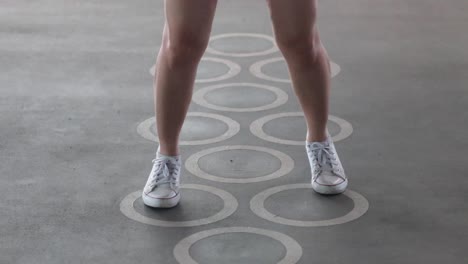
{"x":273,"y":49}
{"x":287,"y":164}
{"x":233,"y":128}
{"x":281,"y":97}
{"x":293,"y":248}
{"x":361,"y":205}
{"x":234,"y":69}
{"x":256,"y":70}
{"x":230,"y":206}
{"x":256,"y":128}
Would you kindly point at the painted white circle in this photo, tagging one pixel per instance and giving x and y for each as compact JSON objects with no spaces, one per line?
{"x":293,"y":249}
{"x":281,"y":97}
{"x":256,"y":70}
{"x":361,"y":205}
{"x":230,"y":206}
{"x":234,"y":69}
{"x":256,"y":127}
{"x":144,"y":129}
{"x":273,"y":49}
{"x":287,"y":164}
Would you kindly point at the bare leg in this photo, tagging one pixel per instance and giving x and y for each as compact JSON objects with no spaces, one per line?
{"x":185,"y":37}
{"x":296,"y":32}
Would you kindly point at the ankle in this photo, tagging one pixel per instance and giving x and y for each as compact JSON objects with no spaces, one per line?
{"x":168,"y":152}
{"x":317,"y":136}
{"x":316,"y":139}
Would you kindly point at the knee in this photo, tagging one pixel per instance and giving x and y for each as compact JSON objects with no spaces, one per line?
{"x":299,"y":46}
{"x":185,"y":48}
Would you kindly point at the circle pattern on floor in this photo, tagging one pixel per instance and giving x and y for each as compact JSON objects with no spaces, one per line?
{"x":212,"y":50}
{"x":305,"y":204}
{"x":237,"y":248}
{"x":230,"y":206}
{"x":257,"y":69}
{"x":233,"y":69}
{"x":361,"y":205}
{"x":293,"y":249}
{"x":256,"y":128}
{"x":240,"y":98}
{"x":239,"y":163}
{"x":233,"y":127}
{"x":286,"y":164}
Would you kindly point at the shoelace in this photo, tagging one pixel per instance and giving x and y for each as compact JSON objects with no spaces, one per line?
{"x":322,"y":155}
{"x":165,"y":172}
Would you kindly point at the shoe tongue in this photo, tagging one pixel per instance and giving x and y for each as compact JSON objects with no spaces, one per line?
{"x":169,"y":158}
{"x":327,"y":166}
{"x":318,"y":144}
{"x":169,"y":162}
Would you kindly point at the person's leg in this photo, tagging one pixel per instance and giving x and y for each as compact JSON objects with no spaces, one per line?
{"x":296,"y":33}
{"x":185,"y":37}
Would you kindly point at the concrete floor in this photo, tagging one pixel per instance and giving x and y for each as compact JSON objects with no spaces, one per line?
{"x":77,"y":138}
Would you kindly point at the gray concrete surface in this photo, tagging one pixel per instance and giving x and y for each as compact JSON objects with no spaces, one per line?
{"x":75,"y":86}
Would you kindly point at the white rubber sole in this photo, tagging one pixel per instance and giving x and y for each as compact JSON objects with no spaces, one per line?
{"x":161,"y":202}
{"x":330,"y":189}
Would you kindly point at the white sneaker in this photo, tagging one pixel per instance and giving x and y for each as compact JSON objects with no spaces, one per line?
{"x":163,"y":184}
{"x":328,"y":176}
